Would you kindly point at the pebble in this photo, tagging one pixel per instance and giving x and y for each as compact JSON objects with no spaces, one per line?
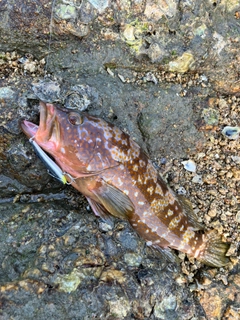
{"x":231,"y":132}
{"x":6,"y":93}
{"x":235,"y":159}
{"x":182,"y":64}
{"x":238,"y":217}
{"x":100,"y":5}
{"x":189,"y":165}
{"x":197,"y":179}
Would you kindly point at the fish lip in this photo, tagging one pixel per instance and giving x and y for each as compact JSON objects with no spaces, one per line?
{"x":29,"y":128}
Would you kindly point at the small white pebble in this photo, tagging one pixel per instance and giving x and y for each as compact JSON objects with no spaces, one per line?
{"x":231,"y":132}
{"x":189,"y":165}
{"x":235,"y":159}
{"x":197,"y":179}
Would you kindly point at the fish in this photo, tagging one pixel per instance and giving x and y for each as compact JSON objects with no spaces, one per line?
{"x":118,"y":179}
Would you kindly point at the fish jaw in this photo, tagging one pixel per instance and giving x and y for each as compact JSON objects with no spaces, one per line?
{"x":46,"y":134}
{"x":29,"y":128}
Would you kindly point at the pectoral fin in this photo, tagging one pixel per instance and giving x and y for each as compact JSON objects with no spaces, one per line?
{"x":113,"y":200}
{"x":100,"y":211}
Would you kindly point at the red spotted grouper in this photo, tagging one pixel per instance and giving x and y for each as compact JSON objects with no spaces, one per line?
{"x":118,"y":179}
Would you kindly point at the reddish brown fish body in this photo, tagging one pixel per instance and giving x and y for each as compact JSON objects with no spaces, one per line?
{"x":117,"y":178}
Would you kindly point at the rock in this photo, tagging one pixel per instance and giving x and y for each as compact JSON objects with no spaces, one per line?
{"x":189,"y":165}
{"x":163,"y":120}
{"x":156,"y":10}
{"x":183,"y":63}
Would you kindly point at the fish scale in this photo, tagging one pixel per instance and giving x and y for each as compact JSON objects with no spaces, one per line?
{"x":118,"y":179}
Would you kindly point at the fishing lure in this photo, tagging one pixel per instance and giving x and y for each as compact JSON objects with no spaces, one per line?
{"x":53,"y":169}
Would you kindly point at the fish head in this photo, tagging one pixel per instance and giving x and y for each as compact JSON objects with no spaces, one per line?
{"x":75,"y":140}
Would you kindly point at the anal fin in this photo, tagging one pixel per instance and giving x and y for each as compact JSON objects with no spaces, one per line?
{"x":188,"y":210}
{"x":168,"y":254}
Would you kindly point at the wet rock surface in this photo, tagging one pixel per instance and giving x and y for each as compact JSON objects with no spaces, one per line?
{"x":167,"y":73}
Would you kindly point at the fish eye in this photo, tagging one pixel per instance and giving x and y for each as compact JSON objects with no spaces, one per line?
{"x":75,"y":118}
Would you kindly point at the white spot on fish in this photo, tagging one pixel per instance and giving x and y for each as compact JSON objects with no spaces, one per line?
{"x":75,"y":141}
{"x":169,"y":194}
{"x":120,"y":182}
{"x":149,"y":243}
{"x":188,"y":234}
{"x":170,"y":212}
{"x":135,"y":167}
{"x":150,"y":190}
{"x":124,"y":142}
{"x":136,"y":194}
{"x":182,"y":228}
{"x":147,"y":231}
{"x":126,"y":192}
{"x":142,"y":163}
{"x":141,"y":203}
{"x":63,"y":150}
{"x":174,"y":222}
{"x":67,"y":128}
{"x":155,"y":229}
{"x":146,"y":179}
{"x":145,"y":213}
{"x":158,"y":190}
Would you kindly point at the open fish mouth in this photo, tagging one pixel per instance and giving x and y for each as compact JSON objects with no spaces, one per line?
{"x":47,"y":133}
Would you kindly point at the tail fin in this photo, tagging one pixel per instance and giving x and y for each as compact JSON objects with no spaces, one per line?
{"x":214,"y":251}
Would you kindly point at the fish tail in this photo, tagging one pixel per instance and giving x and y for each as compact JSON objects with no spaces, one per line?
{"x":213,"y":250}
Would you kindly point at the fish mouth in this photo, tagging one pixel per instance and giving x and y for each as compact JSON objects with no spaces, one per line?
{"x":29,"y":128}
{"x":47,"y":134}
